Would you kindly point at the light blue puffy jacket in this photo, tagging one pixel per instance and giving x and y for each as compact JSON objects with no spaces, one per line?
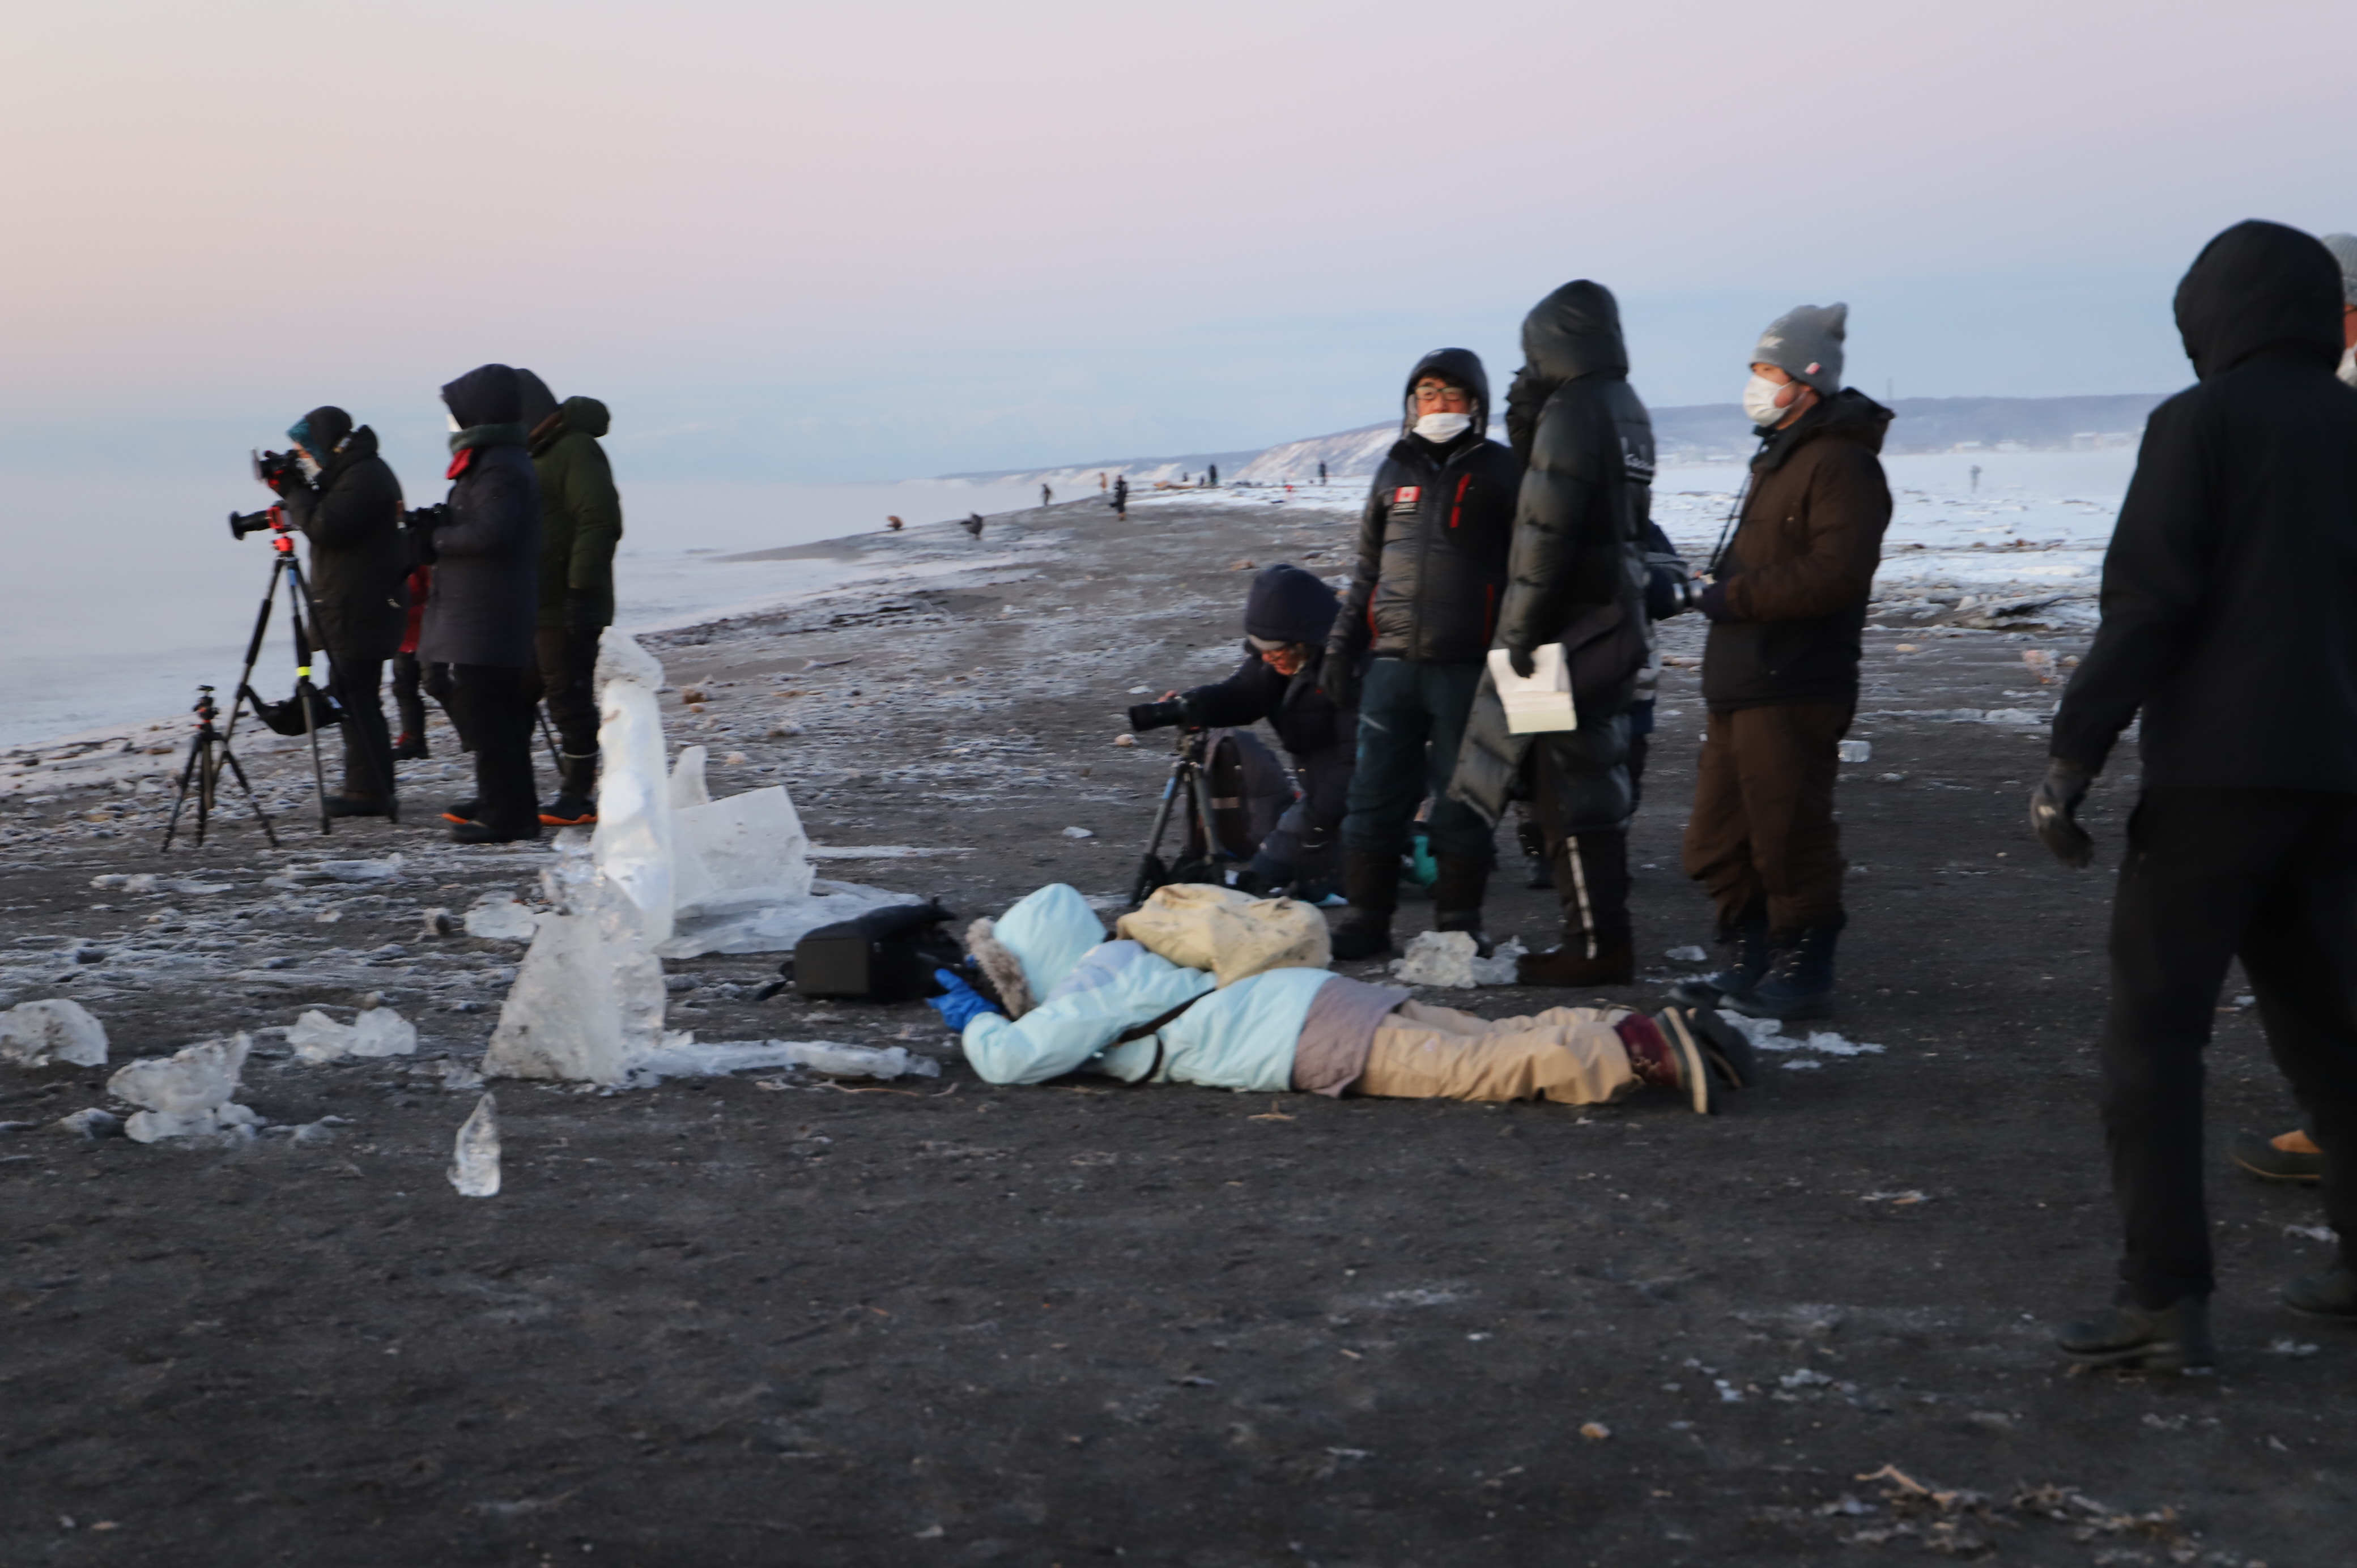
{"x":1241,"y":1037}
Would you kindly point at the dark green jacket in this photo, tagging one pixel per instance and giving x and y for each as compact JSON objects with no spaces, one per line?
{"x":580,"y":513}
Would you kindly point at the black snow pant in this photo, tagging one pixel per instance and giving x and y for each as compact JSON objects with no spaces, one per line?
{"x":406,"y":697}
{"x":568,"y":684}
{"x":2269,"y":876}
{"x":1580,"y":792}
{"x":358,"y":686}
{"x":494,"y":709}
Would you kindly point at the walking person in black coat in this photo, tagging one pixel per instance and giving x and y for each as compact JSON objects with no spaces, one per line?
{"x":347,"y":502}
{"x":486,"y":602}
{"x":1414,"y":631}
{"x":2227,"y":595}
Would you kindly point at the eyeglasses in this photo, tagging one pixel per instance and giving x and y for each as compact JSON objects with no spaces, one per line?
{"x":1439,"y":389}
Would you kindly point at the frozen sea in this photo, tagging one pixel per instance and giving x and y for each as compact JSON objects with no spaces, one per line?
{"x":123,"y":593}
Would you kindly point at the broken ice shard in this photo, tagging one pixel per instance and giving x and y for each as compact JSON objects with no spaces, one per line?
{"x":186,"y":1093}
{"x":34,"y":1034}
{"x":475,"y":1160}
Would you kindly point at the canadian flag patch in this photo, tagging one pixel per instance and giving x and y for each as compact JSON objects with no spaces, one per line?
{"x":1405,"y":495}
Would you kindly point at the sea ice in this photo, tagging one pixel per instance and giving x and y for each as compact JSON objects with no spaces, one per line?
{"x":776,"y":927}
{"x":384,"y":870}
{"x":633,"y":837}
{"x":1454,"y":959}
{"x":34,"y":1034}
{"x":588,"y":998}
{"x":377,"y":1031}
{"x":499,"y":917}
{"x":475,"y":1158}
{"x":683,"y":1056}
{"x":687,"y":783}
{"x":742,"y":852}
{"x":186,"y":1093}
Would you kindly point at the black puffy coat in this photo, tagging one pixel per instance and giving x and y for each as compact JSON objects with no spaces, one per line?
{"x":1432,"y":541}
{"x":486,"y":597}
{"x":2229,"y":587}
{"x":1286,"y":605}
{"x":359,"y":571}
{"x":1582,"y":524}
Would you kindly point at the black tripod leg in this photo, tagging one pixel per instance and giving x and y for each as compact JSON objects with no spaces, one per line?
{"x":548,"y":737}
{"x":306,"y":694}
{"x":1151,"y":865}
{"x":251,"y":799}
{"x":187,"y":771}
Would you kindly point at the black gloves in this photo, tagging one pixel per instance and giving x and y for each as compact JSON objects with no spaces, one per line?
{"x":1520,"y":657}
{"x":581,"y":611}
{"x":1338,"y":678}
{"x":1712,"y":602}
{"x":2054,"y":812}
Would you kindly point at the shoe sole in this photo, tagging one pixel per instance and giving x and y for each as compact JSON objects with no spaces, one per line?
{"x":2167,"y":1357}
{"x":1694,"y":1070}
{"x":1755,"y":1006}
{"x":2321,"y":1315}
{"x":455,"y":820}
{"x":1728,"y":1049}
{"x":2303,"y":1178}
{"x":549,"y":822}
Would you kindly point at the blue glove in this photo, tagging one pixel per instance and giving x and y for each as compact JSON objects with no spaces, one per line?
{"x":958,"y":1004}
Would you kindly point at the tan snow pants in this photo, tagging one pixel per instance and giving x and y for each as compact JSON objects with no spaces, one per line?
{"x":1569,"y":1055}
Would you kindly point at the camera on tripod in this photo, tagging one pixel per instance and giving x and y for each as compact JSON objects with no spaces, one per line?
{"x":243,"y":523}
{"x":1162,"y":716}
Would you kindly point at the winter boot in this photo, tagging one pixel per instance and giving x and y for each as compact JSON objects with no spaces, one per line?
{"x":409,"y":747}
{"x":351,"y":805}
{"x":1371,"y":881}
{"x":1533,"y":840}
{"x":1668,"y":1060}
{"x":2172,"y":1338}
{"x":1745,"y":966}
{"x":463,"y":812}
{"x":2331,"y":1295}
{"x":1591,"y":877}
{"x":2287,"y":1157}
{"x":577,"y":792}
{"x":484,"y":832}
{"x":1799,"y":979}
{"x":1726,"y":1048}
{"x":1457,"y":886}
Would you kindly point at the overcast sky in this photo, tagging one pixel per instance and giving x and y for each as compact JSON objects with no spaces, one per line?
{"x":806,"y":242}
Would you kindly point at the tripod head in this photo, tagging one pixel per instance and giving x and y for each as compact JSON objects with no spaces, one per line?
{"x":204,"y":707}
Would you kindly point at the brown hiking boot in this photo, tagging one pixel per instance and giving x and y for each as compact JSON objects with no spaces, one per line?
{"x":1571,"y":966}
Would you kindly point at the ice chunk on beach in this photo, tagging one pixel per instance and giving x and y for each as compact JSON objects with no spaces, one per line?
{"x":497,"y":916}
{"x":1454,"y":959}
{"x":687,"y":784}
{"x":475,"y":1158}
{"x":34,"y":1034}
{"x":776,"y":927}
{"x":739,"y":854}
{"x":633,"y":837}
{"x":588,"y":999}
{"x":377,"y":1031}
{"x":384,"y":870}
{"x":186,"y":1093}
{"x":683,"y":1056}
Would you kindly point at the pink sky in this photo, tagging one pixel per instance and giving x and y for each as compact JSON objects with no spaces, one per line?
{"x":909,"y":234}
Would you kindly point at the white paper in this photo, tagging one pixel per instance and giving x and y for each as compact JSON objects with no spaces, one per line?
{"x":1540,"y":702}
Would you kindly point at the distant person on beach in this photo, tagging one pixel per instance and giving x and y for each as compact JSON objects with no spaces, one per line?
{"x":1047,"y":497}
{"x":346,"y":500}
{"x":1408,"y":648}
{"x":973,"y":523}
{"x":1576,"y":579}
{"x":1787,"y":606}
{"x":893,"y":524}
{"x":1976,"y":479}
{"x":1212,"y":478}
{"x":580,"y":528}
{"x":1121,"y":497}
{"x":2242,"y":844}
{"x":486,"y":602}
{"x":1321,"y":473}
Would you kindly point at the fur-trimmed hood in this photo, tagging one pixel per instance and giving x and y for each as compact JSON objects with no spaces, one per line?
{"x":1026,"y":952}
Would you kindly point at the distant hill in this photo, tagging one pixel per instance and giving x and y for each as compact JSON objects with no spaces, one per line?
{"x":1700,"y":432}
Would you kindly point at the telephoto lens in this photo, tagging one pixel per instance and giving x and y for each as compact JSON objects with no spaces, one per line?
{"x":243,"y":523}
{"x":1158,"y":716}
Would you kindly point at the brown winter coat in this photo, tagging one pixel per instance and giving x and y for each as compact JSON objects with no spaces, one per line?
{"x":1795,"y":579}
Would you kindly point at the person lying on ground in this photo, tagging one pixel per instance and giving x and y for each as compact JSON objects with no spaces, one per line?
{"x":1114,"y":1007}
{"x":1286,"y":616}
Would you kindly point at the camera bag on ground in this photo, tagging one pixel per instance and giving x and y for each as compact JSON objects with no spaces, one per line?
{"x":885,"y":955}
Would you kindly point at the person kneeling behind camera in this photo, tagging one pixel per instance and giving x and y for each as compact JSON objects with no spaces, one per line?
{"x":1286,"y":616}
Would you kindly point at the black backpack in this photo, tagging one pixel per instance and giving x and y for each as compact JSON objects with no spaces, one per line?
{"x":885,"y":955}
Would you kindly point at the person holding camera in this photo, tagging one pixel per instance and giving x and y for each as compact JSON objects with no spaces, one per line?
{"x":2224,"y":587}
{"x":580,"y":525}
{"x":344,"y":497}
{"x":1579,"y":578}
{"x":485,"y":544}
{"x":1406,"y":651}
{"x":1287,"y":617}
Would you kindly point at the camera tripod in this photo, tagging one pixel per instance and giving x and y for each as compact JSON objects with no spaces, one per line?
{"x":209,"y":753}
{"x":1203,"y":858}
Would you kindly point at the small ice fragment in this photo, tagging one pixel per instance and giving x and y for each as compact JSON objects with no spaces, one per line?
{"x":93,"y":1123}
{"x":475,"y":1159}
{"x":683,"y":1056}
{"x":497,"y":916}
{"x":1856,"y":750}
{"x":1687,"y":955}
{"x":1078,"y":833}
{"x":381,"y":1032}
{"x":1806,"y":1378}
{"x":34,"y":1034}
{"x":688,"y":787}
{"x":1501,"y":966}
{"x":1439,"y":958}
{"x":317,"y":1037}
{"x":1141,"y":691}
{"x":187,"y":1092}
{"x":384,"y":870}
{"x":456,"y":1074}
{"x":314,"y":1132}
{"x":2308,"y":1232}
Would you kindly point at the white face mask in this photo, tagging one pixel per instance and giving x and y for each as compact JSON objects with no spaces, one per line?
{"x":1760,"y":400}
{"x":2349,"y":365}
{"x":455,"y":425}
{"x":1443,"y":428}
{"x":308,"y":464}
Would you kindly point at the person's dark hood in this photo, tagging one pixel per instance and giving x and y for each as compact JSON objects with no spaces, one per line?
{"x":2259,"y":285}
{"x":1848,"y":415}
{"x":588,"y":415}
{"x":1574,"y":332}
{"x":535,"y":402}
{"x":357,"y":448}
{"x":487,"y":394}
{"x":319,"y":431}
{"x":1290,"y":605}
{"x":1460,"y":365}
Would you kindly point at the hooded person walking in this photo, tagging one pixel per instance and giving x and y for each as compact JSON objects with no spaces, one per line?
{"x":1575,"y":576}
{"x":1787,"y":610}
{"x":347,"y":502}
{"x":580,"y":527}
{"x":2226,"y":595}
{"x":1409,"y":647}
{"x":481,"y":618}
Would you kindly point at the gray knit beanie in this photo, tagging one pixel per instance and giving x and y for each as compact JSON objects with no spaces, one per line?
{"x":1805,"y":343}
{"x":2344,"y":250}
